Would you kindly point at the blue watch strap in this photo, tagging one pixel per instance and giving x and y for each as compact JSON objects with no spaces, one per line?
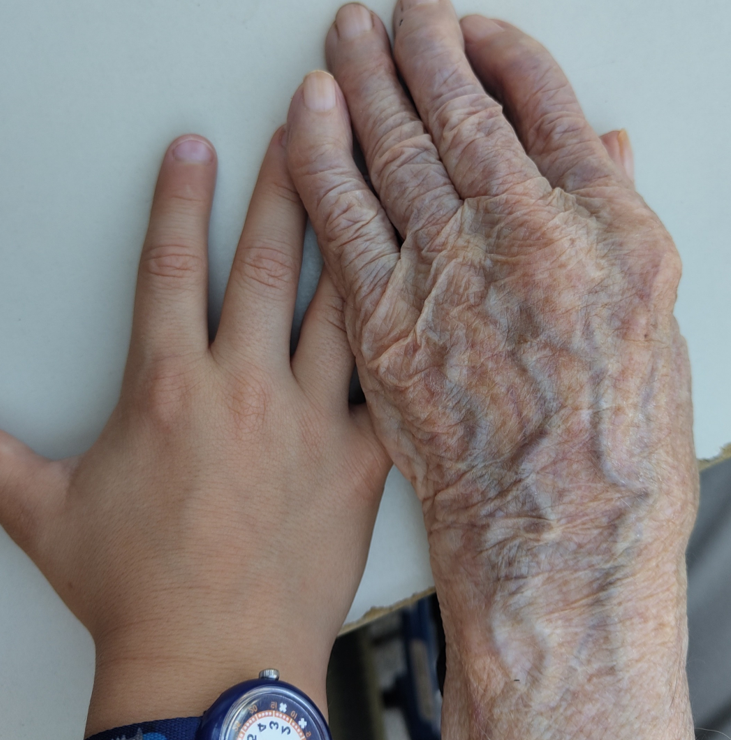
{"x":181,"y":728}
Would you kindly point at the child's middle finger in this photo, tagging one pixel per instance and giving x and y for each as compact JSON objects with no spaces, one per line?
{"x":256,"y":319}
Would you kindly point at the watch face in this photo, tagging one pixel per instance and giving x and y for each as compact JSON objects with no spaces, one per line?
{"x":273,"y":712}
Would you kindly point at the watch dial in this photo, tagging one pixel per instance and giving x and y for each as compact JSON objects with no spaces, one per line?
{"x":272,"y":725}
{"x":273,"y":712}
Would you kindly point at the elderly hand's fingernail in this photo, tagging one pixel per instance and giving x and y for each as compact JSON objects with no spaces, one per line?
{"x":625,"y":150}
{"x":353,"y":20}
{"x":319,"y":91}
{"x":476,"y":28}
{"x":193,"y":150}
{"x":406,"y":4}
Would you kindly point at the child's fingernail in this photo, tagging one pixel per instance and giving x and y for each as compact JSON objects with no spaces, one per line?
{"x":193,"y":150}
{"x":319,"y":91}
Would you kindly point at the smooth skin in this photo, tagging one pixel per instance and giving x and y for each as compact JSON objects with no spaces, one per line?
{"x":509,"y":300}
{"x":220,"y":524}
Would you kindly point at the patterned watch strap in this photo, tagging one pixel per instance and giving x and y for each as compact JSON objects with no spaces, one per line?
{"x":182,"y":728}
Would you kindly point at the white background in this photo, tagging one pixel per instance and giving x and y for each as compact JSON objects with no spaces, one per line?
{"x":91,"y":93}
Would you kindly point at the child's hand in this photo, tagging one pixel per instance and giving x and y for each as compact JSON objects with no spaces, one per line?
{"x":220,"y":524}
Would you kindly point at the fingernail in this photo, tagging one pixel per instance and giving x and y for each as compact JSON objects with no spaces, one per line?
{"x":625,"y":149}
{"x":406,"y":4}
{"x":477,"y":27}
{"x":283,"y":136}
{"x":193,"y":150}
{"x":353,"y":20}
{"x":319,"y":91}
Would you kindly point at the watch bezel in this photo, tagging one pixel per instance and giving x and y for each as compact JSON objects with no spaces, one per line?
{"x":217,"y":722}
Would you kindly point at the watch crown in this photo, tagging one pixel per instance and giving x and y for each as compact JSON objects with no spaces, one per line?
{"x":271,"y":673}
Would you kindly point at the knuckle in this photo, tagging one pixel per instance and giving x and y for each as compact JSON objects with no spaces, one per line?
{"x":349,"y":228}
{"x":372,"y":78}
{"x":650,"y":292}
{"x":521,"y":57}
{"x":672,"y":265}
{"x":185,"y":201}
{"x":166,"y":392}
{"x":468,"y":115}
{"x":420,"y":44}
{"x":314,"y":439}
{"x":399,"y":155}
{"x":172,"y":261}
{"x":467,"y":122}
{"x":312,"y":160}
{"x":266,"y":265}
{"x":346,"y":216}
{"x":248,"y":401}
{"x":465,"y":142}
{"x":409,"y":170}
{"x":657,"y":264}
{"x":665,"y":272}
{"x":555,"y":128}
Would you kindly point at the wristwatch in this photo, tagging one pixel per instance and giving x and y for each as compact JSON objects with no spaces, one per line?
{"x":262,"y":709}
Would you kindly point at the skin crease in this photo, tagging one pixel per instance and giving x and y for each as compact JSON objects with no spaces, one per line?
{"x":220,"y":524}
{"x":521,"y":361}
{"x":524,"y":369}
{"x":145,"y":532}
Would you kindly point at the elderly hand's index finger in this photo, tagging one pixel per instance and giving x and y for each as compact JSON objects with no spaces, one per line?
{"x":357,"y":240}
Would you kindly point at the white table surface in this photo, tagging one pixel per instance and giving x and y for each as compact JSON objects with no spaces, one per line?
{"x":91,"y":93}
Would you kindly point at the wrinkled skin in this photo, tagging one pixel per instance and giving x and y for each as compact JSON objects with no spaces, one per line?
{"x":521,"y":361}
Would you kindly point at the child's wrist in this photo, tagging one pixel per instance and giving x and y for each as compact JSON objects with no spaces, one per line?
{"x":142,"y":683}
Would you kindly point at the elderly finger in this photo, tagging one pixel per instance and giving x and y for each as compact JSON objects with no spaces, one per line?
{"x":357,"y":240}
{"x":539,"y":101}
{"x":170,"y":315}
{"x":403,"y":163}
{"x":478,"y":146}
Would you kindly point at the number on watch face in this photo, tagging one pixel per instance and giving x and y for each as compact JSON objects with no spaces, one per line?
{"x":274,"y":724}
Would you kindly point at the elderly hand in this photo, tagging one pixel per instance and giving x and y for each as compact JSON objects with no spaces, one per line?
{"x":220,"y":525}
{"x":509,"y":301}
